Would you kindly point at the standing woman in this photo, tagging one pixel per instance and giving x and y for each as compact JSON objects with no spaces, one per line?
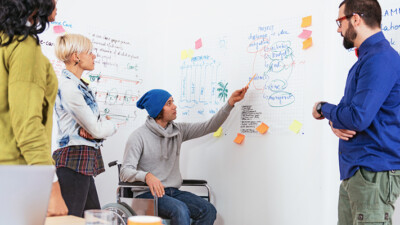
{"x":81,"y":129}
{"x":28,"y":88}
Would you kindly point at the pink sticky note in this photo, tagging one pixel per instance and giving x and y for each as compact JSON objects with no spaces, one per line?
{"x":305,"y":34}
{"x":198,"y":44}
{"x":58,"y":29}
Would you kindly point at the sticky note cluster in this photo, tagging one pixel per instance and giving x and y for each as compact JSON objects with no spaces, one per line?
{"x":306,"y":34}
{"x":187,"y":54}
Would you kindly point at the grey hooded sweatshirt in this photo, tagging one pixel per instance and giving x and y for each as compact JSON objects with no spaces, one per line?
{"x":152,"y":148}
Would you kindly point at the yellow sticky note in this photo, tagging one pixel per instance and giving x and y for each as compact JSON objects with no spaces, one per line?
{"x":190,"y":53}
{"x":306,"y":22}
{"x":184,"y":54}
{"x":263,"y":128}
{"x":307,"y":43}
{"x":239,"y":138}
{"x":296,"y":126}
{"x":218,"y":133}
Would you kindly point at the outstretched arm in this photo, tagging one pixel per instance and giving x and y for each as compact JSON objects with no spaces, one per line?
{"x":195,"y":130}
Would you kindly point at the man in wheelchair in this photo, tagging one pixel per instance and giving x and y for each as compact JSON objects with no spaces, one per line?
{"x":152,"y":156}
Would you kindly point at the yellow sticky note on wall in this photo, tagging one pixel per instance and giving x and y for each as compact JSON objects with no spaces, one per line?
{"x":218,"y":133}
{"x":307,"y":43}
{"x":184,"y":54}
{"x":190,"y":53}
{"x":306,"y":22}
{"x":296,"y":126}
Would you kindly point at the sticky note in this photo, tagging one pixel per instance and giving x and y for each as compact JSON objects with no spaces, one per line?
{"x":58,"y":29}
{"x":184,"y":54}
{"x":263,"y":128}
{"x":218,"y":133}
{"x":307,"y":43}
{"x":198,"y":44}
{"x":306,"y":21}
{"x":305,"y":34}
{"x":190,"y":53}
{"x":296,"y":126}
{"x":239,"y":138}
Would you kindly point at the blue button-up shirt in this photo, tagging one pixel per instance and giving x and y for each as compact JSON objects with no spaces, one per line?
{"x":76,"y":108}
{"x":371,"y":107}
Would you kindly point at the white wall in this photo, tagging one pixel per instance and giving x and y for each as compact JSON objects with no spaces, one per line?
{"x":277,"y":178}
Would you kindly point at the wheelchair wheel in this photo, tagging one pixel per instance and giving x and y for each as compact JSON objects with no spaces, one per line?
{"x":122,"y":209}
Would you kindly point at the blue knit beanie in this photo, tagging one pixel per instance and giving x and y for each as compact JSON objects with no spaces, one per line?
{"x":153,"y":101}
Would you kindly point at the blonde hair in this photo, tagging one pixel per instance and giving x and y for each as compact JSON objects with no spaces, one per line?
{"x":68,"y":44}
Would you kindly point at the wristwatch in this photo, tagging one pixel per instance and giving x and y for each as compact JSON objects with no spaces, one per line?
{"x":319,"y":107}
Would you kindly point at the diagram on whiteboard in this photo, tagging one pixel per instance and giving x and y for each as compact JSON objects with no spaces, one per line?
{"x":203,"y":89}
{"x":276,"y":93}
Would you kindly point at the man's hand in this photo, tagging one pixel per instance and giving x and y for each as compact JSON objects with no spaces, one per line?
{"x":237,"y":96}
{"x":155,"y":185}
{"x":343,"y":133}
{"x":57,"y":205}
{"x":83,"y":133}
{"x":315,"y":114}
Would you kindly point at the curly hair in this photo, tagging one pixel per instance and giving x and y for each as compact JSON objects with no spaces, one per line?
{"x":14,"y":15}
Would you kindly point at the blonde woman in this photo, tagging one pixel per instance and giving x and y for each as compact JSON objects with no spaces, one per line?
{"x":81,"y":129}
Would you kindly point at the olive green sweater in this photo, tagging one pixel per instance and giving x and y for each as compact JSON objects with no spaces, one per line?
{"x":28,"y":87}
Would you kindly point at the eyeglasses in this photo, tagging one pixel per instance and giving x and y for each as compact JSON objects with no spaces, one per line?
{"x":339,"y":20}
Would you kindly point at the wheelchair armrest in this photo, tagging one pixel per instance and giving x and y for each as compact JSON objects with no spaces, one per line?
{"x":194,"y":182}
{"x":135,"y":183}
{"x":184,"y":183}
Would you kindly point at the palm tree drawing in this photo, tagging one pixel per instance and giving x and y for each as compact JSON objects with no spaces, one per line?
{"x":223,"y":92}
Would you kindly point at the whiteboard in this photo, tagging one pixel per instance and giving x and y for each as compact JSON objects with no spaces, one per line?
{"x":192,"y":49}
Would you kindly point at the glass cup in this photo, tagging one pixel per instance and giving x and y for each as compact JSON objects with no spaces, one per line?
{"x":144,"y":220}
{"x":99,"y":217}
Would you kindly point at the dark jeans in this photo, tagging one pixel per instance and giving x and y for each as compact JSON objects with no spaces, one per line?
{"x":180,"y":206}
{"x":78,"y":190}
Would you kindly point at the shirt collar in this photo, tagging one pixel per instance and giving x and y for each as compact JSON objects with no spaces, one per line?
{"x":372,"y":40}
{"x":68,"y":74}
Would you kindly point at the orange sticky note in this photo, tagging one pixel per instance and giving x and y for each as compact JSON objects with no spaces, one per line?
{"x":306,"y":21}
{"x":296,"y":126}
{"x":307,"y":43}
{"x":218,"y":133}
{"x":263,"y":128}
{"x":239,"y":139}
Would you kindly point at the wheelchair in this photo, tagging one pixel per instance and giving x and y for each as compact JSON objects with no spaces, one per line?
{"x":143,"y":206}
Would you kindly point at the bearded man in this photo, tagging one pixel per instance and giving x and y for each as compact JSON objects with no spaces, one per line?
{"x":367,"y":119}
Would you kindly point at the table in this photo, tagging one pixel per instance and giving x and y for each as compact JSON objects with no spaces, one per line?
{"x":64,"y":220}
